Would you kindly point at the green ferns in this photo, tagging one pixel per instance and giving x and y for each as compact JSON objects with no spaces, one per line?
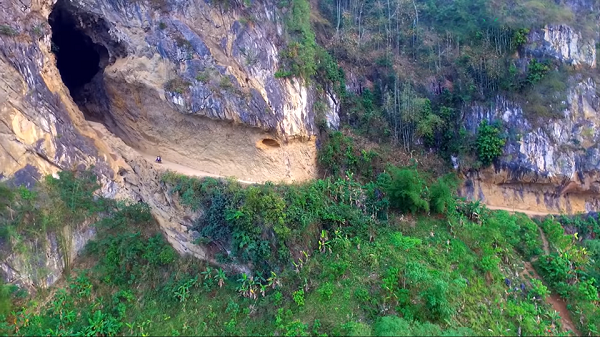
{"x":408,"y":191}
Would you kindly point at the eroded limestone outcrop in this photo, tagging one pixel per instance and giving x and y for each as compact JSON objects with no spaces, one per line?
{"x":42,"y":260}
{"x":551,"y":164}
{"x":188,"y":80}
{"x":562,"y":43}
{"x":168,"y":68}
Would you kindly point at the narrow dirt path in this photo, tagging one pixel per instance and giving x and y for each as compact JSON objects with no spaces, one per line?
{"x":554,"y":300}
{"x":185,"y":170}
{"x":545,"y":244}
{"x":166,"y":164}
{"x":516,"y":210}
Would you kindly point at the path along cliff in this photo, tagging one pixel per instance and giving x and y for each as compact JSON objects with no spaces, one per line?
{"x":554,"y":300}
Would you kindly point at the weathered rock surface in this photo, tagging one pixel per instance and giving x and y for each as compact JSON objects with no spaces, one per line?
{"x":167,"y":69}
{"x":42,"y":260}
{"x":188,"y":80}
{"x":551,"y":165}
{"x":562,"y":43}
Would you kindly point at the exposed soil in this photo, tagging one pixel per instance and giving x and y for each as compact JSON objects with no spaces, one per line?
{"x":557,"y":303}
{"x":166,"y":163}
{"x":516,"y":210}
{"x":185,"y":170}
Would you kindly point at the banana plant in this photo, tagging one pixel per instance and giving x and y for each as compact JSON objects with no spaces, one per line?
{"x":252,"y":285}
{"x":554,"y":316}
{"x":273,"y":281}
{"x":220,"y":277}
{"x":263,"y":288}
{"x":208,"y":282}
{"x":243,"y":288}
{"x":323,"y":241}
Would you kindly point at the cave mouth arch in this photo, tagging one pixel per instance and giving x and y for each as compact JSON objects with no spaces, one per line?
{"x":78,"y":58}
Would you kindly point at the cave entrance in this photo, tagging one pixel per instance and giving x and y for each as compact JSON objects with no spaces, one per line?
{"x":78,"y":58}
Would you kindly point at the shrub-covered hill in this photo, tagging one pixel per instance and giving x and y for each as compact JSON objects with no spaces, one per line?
{"x":396,"y":256}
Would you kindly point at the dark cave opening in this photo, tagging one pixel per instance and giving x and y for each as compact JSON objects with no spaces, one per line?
{"x":78,"y":58}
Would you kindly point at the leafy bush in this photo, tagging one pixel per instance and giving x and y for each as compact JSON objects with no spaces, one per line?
{"x":536,"y":71}
{"x":396,"y":326}
{"x":338,"y":155}
{"x":555,"y":269}
{"x":489,"y":143}
{"x":299,"y":56}
{"x":520,"y":37}
{"x":441,"y":194}
{"x":76,"y":190}
{"x":406,"y":190}
{"x":392,"y":326}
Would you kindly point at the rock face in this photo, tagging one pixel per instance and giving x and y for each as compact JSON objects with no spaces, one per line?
{"x":180,"y":79}
{"x":41,"y":129}
{"x":41,"y":262}
{"x":548,"y":165}
{"x":191,"y":81}
{"x":562,"y":43}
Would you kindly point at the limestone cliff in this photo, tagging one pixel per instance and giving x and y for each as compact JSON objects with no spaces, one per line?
{"x":562,"y":43}
{"x":549,"y":165}
{"x":191,"y":81}
{"x":179,"y":79}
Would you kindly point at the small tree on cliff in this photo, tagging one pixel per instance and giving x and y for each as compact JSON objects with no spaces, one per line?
{"x":489,"y":143}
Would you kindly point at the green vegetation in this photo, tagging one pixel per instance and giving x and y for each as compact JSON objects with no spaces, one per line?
{"x":330,"y":257}
{"x":178,"y":85}
{"x":571,"y":267}
{"x":303,"y":58}
{"x":225,"y":83}
{"x":489,"y":143}
{"x":421,"y":62}
{"x":8,"y":31}
{"x":339,"y":154}
{"x":380,"y":245}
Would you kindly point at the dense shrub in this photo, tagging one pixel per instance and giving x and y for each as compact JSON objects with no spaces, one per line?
{"x":441,"y":194}
{"x":406,"y":191}
{"x":489,"y":143}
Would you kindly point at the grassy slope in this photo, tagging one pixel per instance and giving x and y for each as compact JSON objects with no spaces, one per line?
{"x":440,"y":274}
